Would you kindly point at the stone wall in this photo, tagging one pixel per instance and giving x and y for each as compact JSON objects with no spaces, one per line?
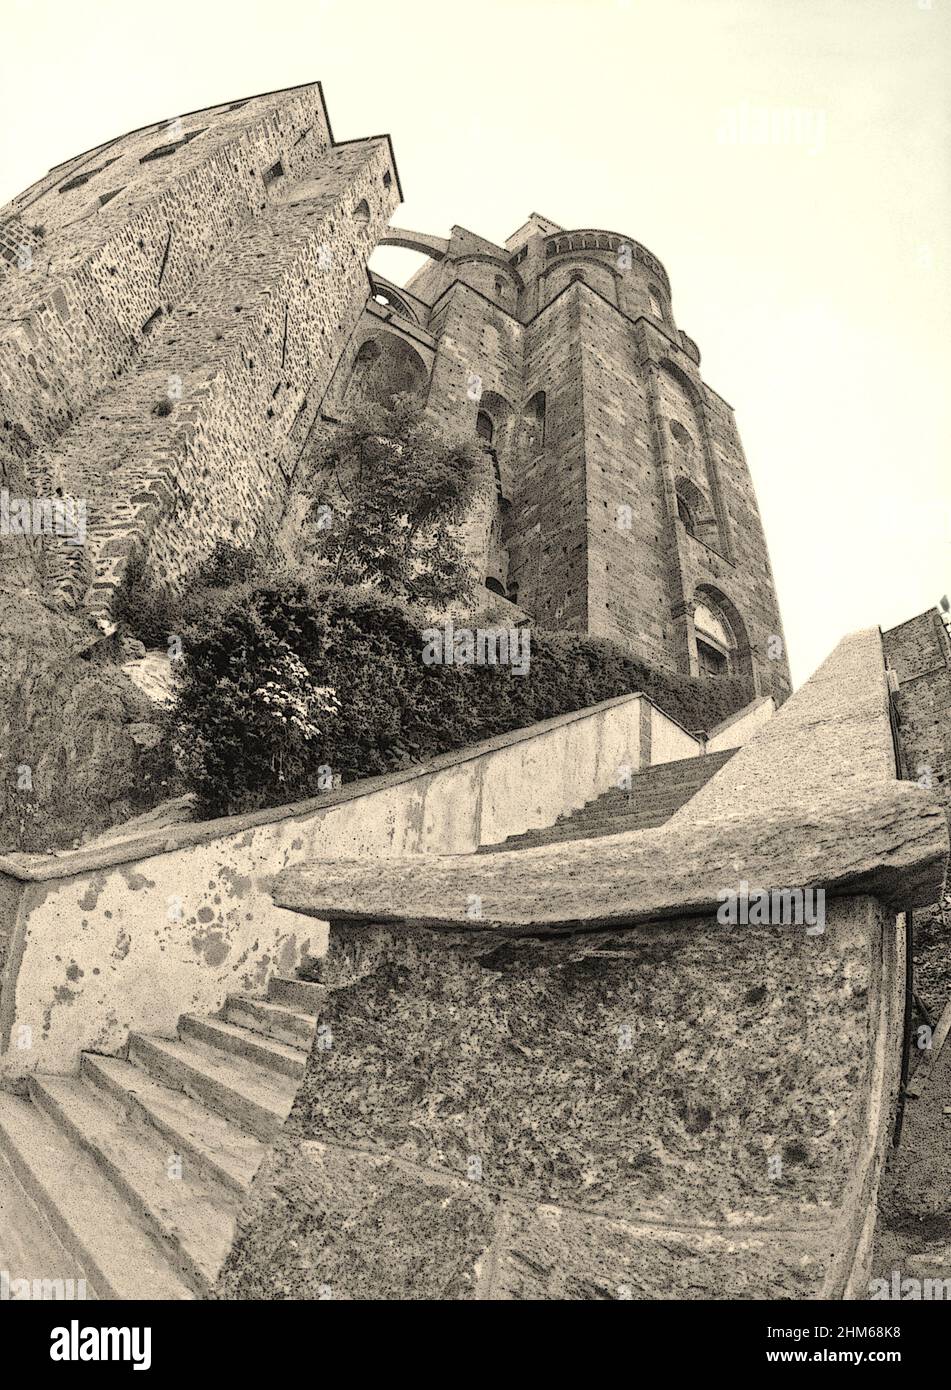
{"x":628,"y":1115}
{"x":600,"y":1089}
{"x":919,"y":652}
{"x":203,"y":308}
{"x":74,"y":310}
{"x":132,"y":934}
{"x":592,"y":536}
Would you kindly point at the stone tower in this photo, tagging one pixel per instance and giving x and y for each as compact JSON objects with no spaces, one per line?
{"x":181,"y":306}
{"x":623,"y":505}
{"x":173,"y":305}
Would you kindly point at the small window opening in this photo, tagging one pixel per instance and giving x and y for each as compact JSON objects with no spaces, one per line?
{"x":484,"y":426}
{"x":712,"y":662}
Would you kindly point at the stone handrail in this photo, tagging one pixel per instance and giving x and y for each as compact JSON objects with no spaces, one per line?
{"x":896,"y":850}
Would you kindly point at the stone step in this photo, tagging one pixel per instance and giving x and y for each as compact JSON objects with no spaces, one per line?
{"x":256,"y":1099}
{"x":277,"y":1021}
{"x":655,"y":795}
{"x":303,"y":995}
{"x":30,"y":1248}
{"x":218,"y":1149}
{"x":236,"y":1041}
{"x":88,"y":1215}
{"x":192,"y":1220}
{"x":613,"y":825}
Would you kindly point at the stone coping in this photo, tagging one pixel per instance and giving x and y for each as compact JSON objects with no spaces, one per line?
{"x":811,"y":802}
{"x":40,"y":868}
{"x":890,"y":843}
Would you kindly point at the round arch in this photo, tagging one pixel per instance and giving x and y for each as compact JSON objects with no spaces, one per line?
{"x":385,"y":365}
{"x":713,"y":617}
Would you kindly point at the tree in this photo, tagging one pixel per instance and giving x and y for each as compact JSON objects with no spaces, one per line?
{"x":387,"y":489}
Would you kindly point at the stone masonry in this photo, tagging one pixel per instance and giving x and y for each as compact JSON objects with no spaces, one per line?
{"x":622,"y":497}
{"x":180,"y":307}
{"x":919,"y":652}
{"x":173,"y":305}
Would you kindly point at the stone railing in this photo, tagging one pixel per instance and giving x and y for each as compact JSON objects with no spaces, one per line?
{"x":563,"y":1072}
{"x":130,"y":933}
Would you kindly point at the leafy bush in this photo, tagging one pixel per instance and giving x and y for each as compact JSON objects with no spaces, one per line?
{"x":387,"y":488}
{"x":284,"y":680}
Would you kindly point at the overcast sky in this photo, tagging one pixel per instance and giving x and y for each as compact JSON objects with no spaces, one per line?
{"x":788,"y":163}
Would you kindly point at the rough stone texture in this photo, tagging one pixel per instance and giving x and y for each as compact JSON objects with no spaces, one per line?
{"x":919,"y":652}
{"x":366,"y":1227}
{"x":587,"y":531}
{"x":597,"y":1117}
{"x":185,"y":309}
{"x":172,"y":307}
{"x":75,"y":732}
{"x":669,"y":1107}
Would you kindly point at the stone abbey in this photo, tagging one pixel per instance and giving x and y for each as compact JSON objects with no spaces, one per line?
{"x":185,"y":305}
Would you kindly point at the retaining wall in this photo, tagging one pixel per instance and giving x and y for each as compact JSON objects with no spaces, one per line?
{"x":139,"y":931}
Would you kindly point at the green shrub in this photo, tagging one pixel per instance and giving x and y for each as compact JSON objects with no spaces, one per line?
{"x":378,"y":705}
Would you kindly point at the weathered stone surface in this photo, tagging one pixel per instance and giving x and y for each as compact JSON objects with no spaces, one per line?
{"x":673,"y":1107}
{"x":919,"y":652}
{"x":891,"y":840}
{"x":656,"y":1071}
{"x":552,"y":1253}
{"x":71,"y":728}
{"x":334,"y":1224}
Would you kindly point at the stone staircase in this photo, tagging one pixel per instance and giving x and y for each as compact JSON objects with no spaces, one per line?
{"x":655,"y":794}
{"x":138,"y":1164}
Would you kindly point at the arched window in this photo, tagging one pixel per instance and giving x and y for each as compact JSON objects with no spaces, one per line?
{"x":388,"y":300}
{"x":361,"y":213}
{"x":533,"y":420}
{"x":654,"y":299}
{"x":715,"y":640}
{"x":484,"y":426}
{"x":500,"y":287}
{"x":494,"y":587}
{"x":692,"y":506}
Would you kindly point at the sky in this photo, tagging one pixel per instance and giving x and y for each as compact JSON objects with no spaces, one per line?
{"x":787,"y":160}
